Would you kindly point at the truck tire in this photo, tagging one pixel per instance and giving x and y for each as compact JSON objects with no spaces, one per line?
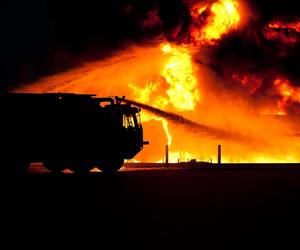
{"x":80,"y":167}
{"x":14,"y":167}
{"x":110,"y":166}
{"x":55,"y":166}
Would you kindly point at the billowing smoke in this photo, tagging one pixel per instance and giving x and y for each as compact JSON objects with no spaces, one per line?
{"x":258,"y":60}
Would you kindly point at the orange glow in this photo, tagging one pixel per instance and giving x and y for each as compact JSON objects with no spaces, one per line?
{"x":176,"y":79}
{"x":280,"y":25}
{"x":287,"y":92}
{"x":165,"y":76}
{"x":248,"y":81}
{"x":212,"y":21}
{"x":141,"y":74}
{"x":283,"y":32}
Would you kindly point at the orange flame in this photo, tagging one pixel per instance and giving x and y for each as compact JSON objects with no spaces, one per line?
{"x":178,"y":72}
{"x":213,"y":21}
{"x":176,"y":80}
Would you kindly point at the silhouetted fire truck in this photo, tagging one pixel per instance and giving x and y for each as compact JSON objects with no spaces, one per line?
{"x":68,"y":131}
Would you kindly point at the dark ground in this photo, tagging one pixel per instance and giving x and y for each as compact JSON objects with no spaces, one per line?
{"x":153,"y":209}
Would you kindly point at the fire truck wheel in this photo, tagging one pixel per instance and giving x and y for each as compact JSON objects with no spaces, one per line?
{"x":80,"y":167}
{"x":111,"y":166}
{"x":55,"y":166}
{"x":15,"y":167}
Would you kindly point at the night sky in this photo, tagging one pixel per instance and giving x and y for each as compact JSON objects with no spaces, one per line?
{"x":43,"y":37}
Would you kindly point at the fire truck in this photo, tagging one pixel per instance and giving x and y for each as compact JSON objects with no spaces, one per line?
{"x":67,"y":131}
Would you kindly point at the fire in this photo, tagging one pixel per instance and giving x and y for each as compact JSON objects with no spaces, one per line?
{"x":287,"y":92}
{"x":166,"y":76}
{"x":140,"y":77}
{"x":283,"y":32}
{"x":283,"y":92}
{"x":176,"y":87}
{"x":280,"y":25}
{"x":178,"y":72}
{"x":177,"y":80}
{"x":214,"y":20}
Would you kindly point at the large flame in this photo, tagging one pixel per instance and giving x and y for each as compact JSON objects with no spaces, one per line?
{"x":212,"y":21}
{"x":177,"y":80}
{"x":178,"y":72}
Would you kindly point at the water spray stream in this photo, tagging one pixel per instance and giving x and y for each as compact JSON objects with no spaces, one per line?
{"x":191,"y":125}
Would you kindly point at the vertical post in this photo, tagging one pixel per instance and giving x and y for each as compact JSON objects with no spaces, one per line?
{"x":219,"y":155}
{"x":167,"y":154}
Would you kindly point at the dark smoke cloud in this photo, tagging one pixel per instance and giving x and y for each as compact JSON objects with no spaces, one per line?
{"x":250,"y":52}
{"x":269,"y":9}
{"x":43,"y":37}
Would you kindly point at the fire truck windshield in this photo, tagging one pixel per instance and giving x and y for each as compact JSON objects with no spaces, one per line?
{"x":129,"y":121}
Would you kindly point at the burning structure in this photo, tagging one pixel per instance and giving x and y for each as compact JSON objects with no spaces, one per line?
{"x":219,"y":74}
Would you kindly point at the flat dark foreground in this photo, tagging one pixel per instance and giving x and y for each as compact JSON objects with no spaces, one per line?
{"x":153,"y":209}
